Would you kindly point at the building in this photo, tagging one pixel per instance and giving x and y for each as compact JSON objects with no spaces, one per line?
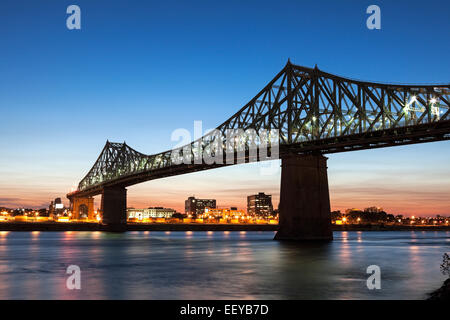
{"x":259,"y":205}
{"x":153,"y":212}
{"x":225,"y":213}
{"x":373,"y":210}
{"x":56,"y":208}
{"x":197,"y":206}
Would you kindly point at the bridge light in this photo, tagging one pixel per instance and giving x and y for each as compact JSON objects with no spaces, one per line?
{"x":433,"y":100}
{"x":413,"y":99}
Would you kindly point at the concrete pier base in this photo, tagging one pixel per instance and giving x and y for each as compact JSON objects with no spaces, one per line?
{"x":114,"y":206}
{"x":304,"y":199}
{"x":76,"y":205}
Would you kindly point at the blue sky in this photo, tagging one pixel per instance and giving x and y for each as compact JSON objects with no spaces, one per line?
{"x":138,"y":70}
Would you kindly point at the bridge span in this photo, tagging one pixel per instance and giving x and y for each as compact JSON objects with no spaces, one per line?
{"x":313,"y":113}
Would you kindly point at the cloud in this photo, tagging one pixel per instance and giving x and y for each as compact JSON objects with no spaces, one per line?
{"x":9,"y":199}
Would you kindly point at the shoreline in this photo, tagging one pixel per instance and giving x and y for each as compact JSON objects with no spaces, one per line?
{"x":86,"y":226}
{"x":441,"y":294}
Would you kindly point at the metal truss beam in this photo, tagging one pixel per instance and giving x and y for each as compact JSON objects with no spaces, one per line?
{"x":314,"y":111}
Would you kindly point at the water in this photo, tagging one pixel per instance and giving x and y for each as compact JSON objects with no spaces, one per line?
{"x":219,"y":265}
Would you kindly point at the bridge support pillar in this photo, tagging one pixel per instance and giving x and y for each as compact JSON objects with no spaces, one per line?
{"x":82,"y":208}
{"x":304,"y":199}
{"x":114,"y":205}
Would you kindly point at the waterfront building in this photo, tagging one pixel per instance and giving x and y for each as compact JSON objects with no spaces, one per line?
{"x":197,"y":206}
{"x":152,"y":212}
{"x":260,"y":205}
{"x":56,"y":208}
{"x":225,"y":213}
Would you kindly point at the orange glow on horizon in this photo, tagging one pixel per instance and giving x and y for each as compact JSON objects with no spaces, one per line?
{"x":348,"y":189}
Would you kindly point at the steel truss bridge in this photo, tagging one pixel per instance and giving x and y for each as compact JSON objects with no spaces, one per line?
{"x":315,"y":112}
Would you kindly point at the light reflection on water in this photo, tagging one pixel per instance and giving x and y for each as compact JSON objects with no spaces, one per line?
{"x":219,"y":265}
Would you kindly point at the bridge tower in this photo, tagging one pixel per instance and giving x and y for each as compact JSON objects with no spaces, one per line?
{"x":304,"y":199}
{"x":82,"y":207}
{"x":304,"y":196}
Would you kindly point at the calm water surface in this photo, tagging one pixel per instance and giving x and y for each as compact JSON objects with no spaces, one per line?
{"x":219,"y":265}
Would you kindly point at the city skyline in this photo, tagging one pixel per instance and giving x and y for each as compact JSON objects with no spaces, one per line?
{"x":143,"y":202}
{"x":61,"y":107}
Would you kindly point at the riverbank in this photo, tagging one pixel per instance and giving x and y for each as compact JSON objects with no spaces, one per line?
{"x":86,"y":226}
{"x":443,"y":293}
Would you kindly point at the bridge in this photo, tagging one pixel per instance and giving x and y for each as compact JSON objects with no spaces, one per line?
{"x":310,"y":113}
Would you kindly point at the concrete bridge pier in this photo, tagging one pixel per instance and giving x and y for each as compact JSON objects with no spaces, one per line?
{"x":114,"y":206}
{"x":304,"y":199}
{"x":82,"y":208}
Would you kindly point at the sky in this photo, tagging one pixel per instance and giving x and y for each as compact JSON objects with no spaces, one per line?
{"x":136,"y":71}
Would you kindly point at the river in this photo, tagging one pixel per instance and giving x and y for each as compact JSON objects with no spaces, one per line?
{"x":219,"y":265}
